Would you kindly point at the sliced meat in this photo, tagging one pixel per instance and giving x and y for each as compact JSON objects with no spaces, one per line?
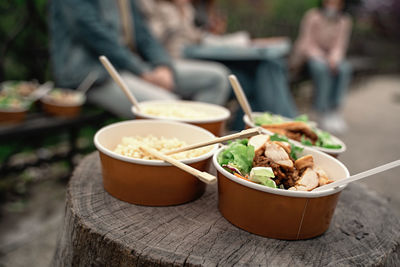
{"x":275,"y":130}
{"x":324,"y":181}
{"x":258,"y":142}
{"x":294,"y":130}
{"x":323,"y":177}
{"x":307,"y":182}
{"x":304,"y":162}
{"x":320,"y":172}
{"x":294,"y":135}
{"x":281,"y":176}
{"x":278,"y":155}
{"x":284,"y":145}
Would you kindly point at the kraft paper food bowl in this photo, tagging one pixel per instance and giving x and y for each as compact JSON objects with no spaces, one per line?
{"x":12,"y":116}
{"x":151,"y":182}
{"x":213,"y":119}
{"x":278,"y":213}
{"x":333,"y":152}
{"x":63,"y":109}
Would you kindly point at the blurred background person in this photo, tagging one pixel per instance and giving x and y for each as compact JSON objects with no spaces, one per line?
{"x":81,"y":31}
{"x":173,"y":22}
{"x":322,"y":44}
{"x":209,"y":17}
{"x":265,"y":82}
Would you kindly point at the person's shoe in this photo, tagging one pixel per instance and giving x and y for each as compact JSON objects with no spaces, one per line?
{"x":333,"y":122}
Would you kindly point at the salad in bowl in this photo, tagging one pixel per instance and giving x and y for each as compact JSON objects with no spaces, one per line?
{"x":266,"y":187}
{"x":300,"y":130}
{"x":274,"y":162}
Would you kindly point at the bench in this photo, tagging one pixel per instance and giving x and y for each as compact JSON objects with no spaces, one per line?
{"x":37,"y":127}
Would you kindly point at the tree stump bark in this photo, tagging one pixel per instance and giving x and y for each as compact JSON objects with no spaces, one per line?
{"x":100,"y":230}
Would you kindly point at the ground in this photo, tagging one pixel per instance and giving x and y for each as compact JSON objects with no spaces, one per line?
{"x":28,"y":235}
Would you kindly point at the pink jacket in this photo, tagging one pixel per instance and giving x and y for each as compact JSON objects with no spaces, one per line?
{"x":322,"y":38}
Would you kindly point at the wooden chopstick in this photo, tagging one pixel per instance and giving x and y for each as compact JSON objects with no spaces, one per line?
{"x":118,"y":79}
{"x":242,"y":134}
{"x":202,"y":176}
{"x":241,"y":97}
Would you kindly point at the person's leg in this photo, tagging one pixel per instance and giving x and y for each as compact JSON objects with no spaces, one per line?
{"x":110,"y":97}
{"x":341,"y":80}
{"x":323,"y":82}
{"x":272,"y":90}
{"x":202,"y":81}
{"x":341,"y":84}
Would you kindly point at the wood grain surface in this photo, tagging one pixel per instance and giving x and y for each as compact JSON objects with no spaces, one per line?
{"x":100,"y":230}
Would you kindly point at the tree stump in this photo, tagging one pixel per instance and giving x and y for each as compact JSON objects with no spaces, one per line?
{"x":100,"y":230}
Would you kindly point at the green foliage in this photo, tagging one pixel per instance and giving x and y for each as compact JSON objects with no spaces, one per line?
{"x":264,"y":18}
{"x":23,"y":40}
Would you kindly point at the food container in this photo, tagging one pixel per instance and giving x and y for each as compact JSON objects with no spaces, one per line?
{"x":22,"y":89}
{"x":13,"y":109}
{"x":60,"y":106}
{"x":214,"y":116}
{"x":279,"y":213}
{"x":333,"y":152}
{"x":12,"y":116}
{"x":151,"y":182}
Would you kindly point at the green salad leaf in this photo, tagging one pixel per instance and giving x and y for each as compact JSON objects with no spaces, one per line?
{"x":305,"y":141}
{"x":262,"y":175}
{"x":277,"y":137}
{"x":268,"y":118}
{"x":295,"y":151}
{"x":325,"y":140}
{"x":303,"y":118}
{"x":11,"y":101}
{"x":238,"y":155}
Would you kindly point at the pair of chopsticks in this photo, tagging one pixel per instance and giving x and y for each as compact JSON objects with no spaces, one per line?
{"x":202,"y":176}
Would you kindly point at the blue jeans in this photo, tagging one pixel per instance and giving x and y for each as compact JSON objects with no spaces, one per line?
{"x":265,"y":84}
{"x":272,"y":91}
{"x":330,"y":88}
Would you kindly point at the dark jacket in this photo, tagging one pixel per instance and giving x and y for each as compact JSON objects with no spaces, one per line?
{"x":82,"y":30}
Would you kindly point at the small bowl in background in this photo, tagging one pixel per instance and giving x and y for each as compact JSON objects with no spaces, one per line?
{"x":279,"y":213}
{"x":333,"y":152}
{"x":21,"y":89}
{"x":151,"y":182}
{"x":12,"y":116}
{"x":13,"y":109}
{"x":62,"y":106}
{"x":213,"y":116}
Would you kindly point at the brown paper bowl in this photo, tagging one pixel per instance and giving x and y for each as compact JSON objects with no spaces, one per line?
{"x":150,"y":182}
{"x":60,"y":109}
{"x":12,"y":116}
{"x":277,"y":213}
{"x":333,"y":152}
{"x":214,"y":123}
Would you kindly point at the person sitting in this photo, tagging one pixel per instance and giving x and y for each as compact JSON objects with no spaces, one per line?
{"x":83,"y":30}
{"x":322,"y":44}
{"x":173,"y":23}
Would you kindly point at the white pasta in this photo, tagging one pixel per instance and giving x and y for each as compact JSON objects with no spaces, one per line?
{"x":175,"y":111}
{"x":129,"y":147}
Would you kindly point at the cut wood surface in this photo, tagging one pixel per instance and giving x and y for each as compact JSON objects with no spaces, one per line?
{"x":100,"y":230}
